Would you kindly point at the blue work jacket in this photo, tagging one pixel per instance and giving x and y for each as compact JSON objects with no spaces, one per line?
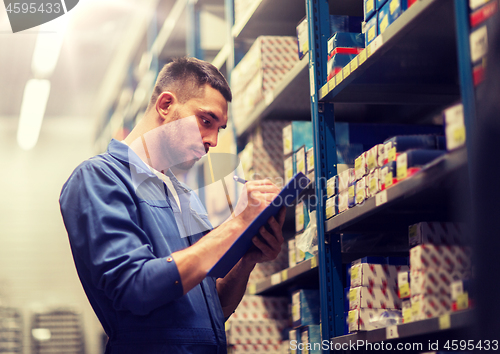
{"x":122,"y":229}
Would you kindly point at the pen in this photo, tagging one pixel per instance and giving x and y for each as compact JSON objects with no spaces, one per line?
{"x":239,"y":179}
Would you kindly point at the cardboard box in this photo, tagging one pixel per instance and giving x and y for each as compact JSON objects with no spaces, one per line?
{"x":454,"y":127}
{"x":302,"y":38}
{"x":292,"y":260}
{"x":363,"y":319}
{"x":447,"y":257}
{"x":343,"y":201}
{"x":404,"y":289}
{"x":288,"y":168}
{"x":373,"y":297}
{"x":388,"y":176}
{"x":379,"y":4}
{"x":255,"y":332}
{"x":361,"y":190}
{"x":432,"y":281}
{"x":371,"y":274}
{"x":256,"y":308}
{"x":337,"y":62}
{"x":332,"y":186}
{"x":371,"y":30}
{"x":424,"y":307}
{"x":305,"y":307}
{"x":368,"y":9}
{"x":300,"y":160}
{"x":255,"y":349}
{"x":383,"y":18}
{"x":360,"y":166}
{"x":311,"y":339}
{"x":480,"y":16}
{"x":345,"y":43}
{"x":407,"y":311}
{"x":411,"y":161}
{"x":375,"y":158}
{"x":331,"y":208}
{"x":295,"y":135}
{"x":436,"y":233}
{"x":310,"y":161}
{"x":351,"y":195}
{"x":300,"y":217}
{"x":346,"y":178}
{"x":373,"y":183}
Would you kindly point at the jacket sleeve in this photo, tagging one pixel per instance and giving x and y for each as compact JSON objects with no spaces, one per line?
{"x":103,"y":227}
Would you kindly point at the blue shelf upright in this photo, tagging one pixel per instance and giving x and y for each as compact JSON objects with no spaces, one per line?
{"x":325,"y":159}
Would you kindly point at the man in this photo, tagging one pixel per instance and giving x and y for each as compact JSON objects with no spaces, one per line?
{"x":139,"y":237}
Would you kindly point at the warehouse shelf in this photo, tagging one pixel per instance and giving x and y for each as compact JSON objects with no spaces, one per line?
{"x":289,"y":100}
{"x":279,"y":283}
{"x":269,"y":17}
{"x":432,"y":326}
{"x":422,"y":196}
{"x":413,"y":62}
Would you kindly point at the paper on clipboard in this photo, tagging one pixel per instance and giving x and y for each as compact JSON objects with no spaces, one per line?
{"x":238,"y":249}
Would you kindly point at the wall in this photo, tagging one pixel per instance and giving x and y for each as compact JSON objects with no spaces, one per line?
{"x":36,"y":266}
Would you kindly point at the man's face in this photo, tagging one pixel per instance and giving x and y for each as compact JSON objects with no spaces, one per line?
{"x":194,"y":128}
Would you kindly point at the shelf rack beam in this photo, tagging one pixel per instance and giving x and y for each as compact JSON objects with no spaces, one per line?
{"x":330,"y":261}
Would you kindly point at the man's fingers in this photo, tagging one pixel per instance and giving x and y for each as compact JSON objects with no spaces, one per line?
{"x":276,"y":229}
{"x":281,"y":216}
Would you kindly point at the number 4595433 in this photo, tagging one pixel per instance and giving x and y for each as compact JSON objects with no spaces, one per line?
{"x":456,"y":344}
{"x":32,"y":8}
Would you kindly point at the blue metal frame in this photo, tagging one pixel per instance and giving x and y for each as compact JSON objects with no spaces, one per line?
{"x":322,"y":114}
{"x":465,"y":70}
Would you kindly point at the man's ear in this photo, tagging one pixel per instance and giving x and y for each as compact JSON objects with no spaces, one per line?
{"x":164,"y":103}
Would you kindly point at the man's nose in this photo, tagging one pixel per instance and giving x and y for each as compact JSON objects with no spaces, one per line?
{"x":210,"y":140}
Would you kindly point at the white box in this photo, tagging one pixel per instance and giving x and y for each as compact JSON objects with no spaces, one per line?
{"x":375,"y":157}
{"x":292,"y":261}
{"x":435,"y":282}
{"x":330,"y":207}
{"x":255,"y":332}
{"x":343,"y":201}
{"x":361,"y":190}
{"x":346,"y":178}
{"x":255,"y":307}
{"x":373,"y":183}
{"x":447,"y":257}
{"x":436,"y":233}
{"x":373,"y":298}
{"x":360,"y":168}
{"x":382,"y":275}
{"x":429,"y":306}
{"x":363,"y":319}
{"x":454,"y":127}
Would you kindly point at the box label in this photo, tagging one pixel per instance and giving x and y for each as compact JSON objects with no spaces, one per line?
{"x":362,"y":57}
{"x":384,"y":24}
{"x":381,"y":198}
{"x":354,"y":64}
{"x":388,"y":179}
{"x":478,"y":44}
{"x":371,"y":33}
{"x":346,"y":70}
{"x":402,"y":166}
{"x":394,"y":6}
{"x":338,"y":78}
{"x":370,"y":5}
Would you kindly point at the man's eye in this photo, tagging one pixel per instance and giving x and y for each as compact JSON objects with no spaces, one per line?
{"x":205,"y":121}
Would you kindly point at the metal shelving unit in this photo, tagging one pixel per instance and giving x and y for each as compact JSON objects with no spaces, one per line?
{"x":415,"y":69}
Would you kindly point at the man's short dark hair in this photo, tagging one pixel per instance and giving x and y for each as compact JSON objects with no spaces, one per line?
{"x":186,"y":77}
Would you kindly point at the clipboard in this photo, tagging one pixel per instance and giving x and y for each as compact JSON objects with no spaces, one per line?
{"x":238,"y":249}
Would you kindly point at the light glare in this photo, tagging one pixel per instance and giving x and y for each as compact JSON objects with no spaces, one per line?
{"x":36,"y":95}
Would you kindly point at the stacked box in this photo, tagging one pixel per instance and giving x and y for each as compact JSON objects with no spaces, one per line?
{"x":371,"y":30}
{"x":361,"y":190}
{"x":336,"y":63}
{"x":343,"y":201}
{"x":332,"y":186}
{"x":388,"y":175}
{"x":406,"y":311}
{"x":300,"y":160}
{"x":266,"y":63}
{"x":310,"y":164}
{"x":254,"y":307}
{"x":369,"y":8}
{"x":255,"y":349}
{"x":375,"y":158}
{"x":370,"y":274}
{"x":436,"y":233}
{"x":363,"y":319}
{"x":373,"y":297}
{"x":424,"y":307}
{"x":255,"y":331}
{"x":288,"y":168}
{"x":295,"y":135}
{"x":462,"y":294}
{"x":410,"y":162}
{"x":311,"y":339}
{"x":292,"y":257}
{"x":351,"y":195}
{"x":305,"y":307}
{"x":331,"y":207}
{"x":346,"y":179}
{"x":294,"y":339}
{"x":373,"y":183}
{"x":435,"y":282}
{"x":447,"y":257}
{"x":454,"y":127}
{"x":301,"y":217}
{"x":360,"y":166}
{"x":267,"y":157}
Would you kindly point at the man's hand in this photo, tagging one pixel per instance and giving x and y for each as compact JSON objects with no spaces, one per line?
{"x":267,"y":245}
{"x":255,"y":197}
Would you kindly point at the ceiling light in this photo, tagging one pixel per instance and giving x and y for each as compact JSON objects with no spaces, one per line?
{"x":48,"y":46}
{"x":36,"y":95}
